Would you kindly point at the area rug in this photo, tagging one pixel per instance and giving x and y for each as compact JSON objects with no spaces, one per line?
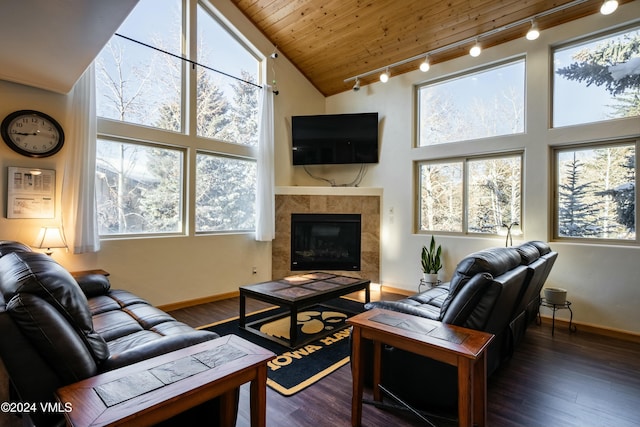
{"x":295,"y":370}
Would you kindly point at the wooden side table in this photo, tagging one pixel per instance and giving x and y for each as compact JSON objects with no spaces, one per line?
{"x":460,"y":347}
{"x":156,"y":389}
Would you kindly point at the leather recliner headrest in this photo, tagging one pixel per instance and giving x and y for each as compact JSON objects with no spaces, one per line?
{"x":39,"y":274}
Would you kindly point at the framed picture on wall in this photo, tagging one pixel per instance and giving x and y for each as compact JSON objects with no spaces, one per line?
{"x":31,"y":193}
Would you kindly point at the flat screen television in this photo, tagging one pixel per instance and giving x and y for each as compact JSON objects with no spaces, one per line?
{"x":335,"y":139}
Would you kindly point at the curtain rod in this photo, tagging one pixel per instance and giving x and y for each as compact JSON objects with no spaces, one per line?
{"x":193,"y":63}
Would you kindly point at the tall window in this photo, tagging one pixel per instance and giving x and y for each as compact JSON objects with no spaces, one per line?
{"x":597,"y":79}
{"x":596,"y":192}
{"x":154,"y":108}
{"x":475,"y":195}
{"x":475,"y":105}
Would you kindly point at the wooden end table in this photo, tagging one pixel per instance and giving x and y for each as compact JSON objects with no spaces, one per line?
{"x":460,"y":347}
{"x":156,"y":389}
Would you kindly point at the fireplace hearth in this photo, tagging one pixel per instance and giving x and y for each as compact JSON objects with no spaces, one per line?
{"x":325,"y":242}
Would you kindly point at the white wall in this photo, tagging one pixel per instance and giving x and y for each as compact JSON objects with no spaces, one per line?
{"x":601,"y":280}
{"x":173,"y":269}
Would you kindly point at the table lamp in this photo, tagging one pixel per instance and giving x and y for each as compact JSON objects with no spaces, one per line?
{"x":49,"y":237}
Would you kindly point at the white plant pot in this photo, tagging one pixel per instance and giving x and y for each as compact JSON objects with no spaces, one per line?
{"x":555,"y":295}
{"x":431,"y":278}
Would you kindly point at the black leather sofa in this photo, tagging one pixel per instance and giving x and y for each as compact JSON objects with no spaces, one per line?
{"x":56,"y":329}
{"x":496,"y":290}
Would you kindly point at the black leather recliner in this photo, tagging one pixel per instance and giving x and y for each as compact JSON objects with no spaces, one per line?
{"x":489,"y":290}
{"x":55,"y":330}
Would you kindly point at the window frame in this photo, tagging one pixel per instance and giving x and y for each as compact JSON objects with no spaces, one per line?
{"x":465,"y":160}
{"x":555,"y":194}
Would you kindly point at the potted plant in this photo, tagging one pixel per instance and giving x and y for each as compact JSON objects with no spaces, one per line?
{"x":431,"y":261}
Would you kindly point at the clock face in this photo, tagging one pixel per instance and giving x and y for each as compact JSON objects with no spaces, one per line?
{"x":32,"y":133}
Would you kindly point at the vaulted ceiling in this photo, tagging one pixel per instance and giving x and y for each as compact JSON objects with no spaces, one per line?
{"x":332,"y":40}
{"x":49,"y":43}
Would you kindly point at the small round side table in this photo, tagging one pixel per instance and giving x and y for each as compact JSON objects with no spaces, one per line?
{"x":555,"y":307}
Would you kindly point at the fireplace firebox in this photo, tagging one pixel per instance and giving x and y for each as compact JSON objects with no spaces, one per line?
{"x":325,"y":242}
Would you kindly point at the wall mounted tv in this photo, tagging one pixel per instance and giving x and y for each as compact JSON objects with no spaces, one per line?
{"x":335,"y":139}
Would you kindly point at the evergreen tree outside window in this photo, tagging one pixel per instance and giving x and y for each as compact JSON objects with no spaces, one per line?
{"x":596,"y":192}
{"x":225,"y":193}
{"x":597,"y":79}
{"x":154,"y":107}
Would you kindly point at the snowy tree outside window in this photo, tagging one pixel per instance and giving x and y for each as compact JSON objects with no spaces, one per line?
{"x":596,"y":192}
{"x":597,"y":80}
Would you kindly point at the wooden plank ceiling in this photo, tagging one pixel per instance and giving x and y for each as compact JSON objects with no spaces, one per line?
{"x":332,"y":40}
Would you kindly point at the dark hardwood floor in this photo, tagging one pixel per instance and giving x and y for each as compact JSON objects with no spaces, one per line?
{"x":578,"y":379}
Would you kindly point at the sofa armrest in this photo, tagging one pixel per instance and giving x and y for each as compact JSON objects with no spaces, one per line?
{"x":93,"y":284}
{"x":426,"y":311}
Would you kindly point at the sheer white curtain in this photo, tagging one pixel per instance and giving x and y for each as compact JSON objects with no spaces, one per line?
{"x":78,"y":190}
{"x":265,"y":210}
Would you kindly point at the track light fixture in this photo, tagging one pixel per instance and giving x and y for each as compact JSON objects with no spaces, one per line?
{"x":608,"y":7}
{"x":424,"y":65}
{"x":384,"y":77}
{"x":475,"y":50}
{"x":533,"y":32}
{"x":356,"y":87}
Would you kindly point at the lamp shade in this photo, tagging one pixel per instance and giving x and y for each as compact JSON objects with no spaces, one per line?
{"x":49,"y":237}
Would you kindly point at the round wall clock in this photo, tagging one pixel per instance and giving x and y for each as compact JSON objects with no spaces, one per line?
{"x":32,"y":133}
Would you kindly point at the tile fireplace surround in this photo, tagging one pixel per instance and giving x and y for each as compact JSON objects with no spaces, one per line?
{"x":342,"y":200}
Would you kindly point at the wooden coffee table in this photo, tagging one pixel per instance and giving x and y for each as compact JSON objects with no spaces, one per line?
{"x":156,"y":389}
{"x":461,"y":347}
{"x":296,"y":293}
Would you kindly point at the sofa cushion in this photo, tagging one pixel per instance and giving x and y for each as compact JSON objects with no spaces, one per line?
{"x":425,"y":304}
{"x":528,"y":252}
{"x":494,"y":261}
{"x":149,"y":343}
{"x":466,"y":300}
{"x":38,"y":274}
{"x":543,"y":247}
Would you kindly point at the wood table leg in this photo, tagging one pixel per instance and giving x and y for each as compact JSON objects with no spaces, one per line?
{"x":258,"y":399}
{"x":357,"y":373}
{"x":377,"y":370}
{"x":228,"y":405}
{"x":465,"y":392}
{"x":293,"y":327}
{"x":242,"y":321}
{"x":480,"y":391}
